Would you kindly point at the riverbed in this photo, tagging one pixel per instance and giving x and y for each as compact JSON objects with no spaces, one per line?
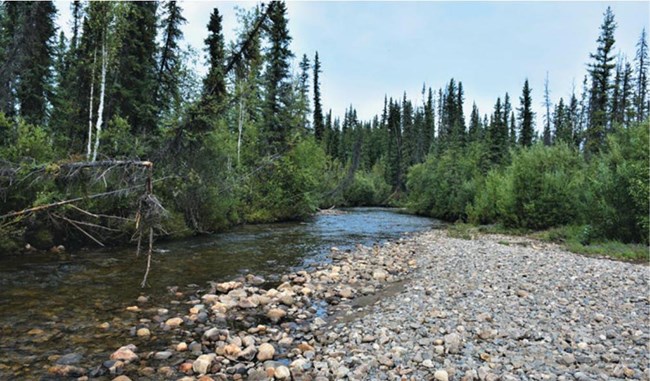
{"x":56,"y":304}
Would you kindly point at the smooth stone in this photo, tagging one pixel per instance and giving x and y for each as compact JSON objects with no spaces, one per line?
{"x":441,"y":375}
{"x":143,"y":332}
{"x":202,"y":364}
{"x":163,"y":355}
{"x":69,"y":359}
{"x":174,"y":322}
{"x":265,"y":352}
{"x":275,"y":314}
{"x":282,"y":373}
{"x":125,"y":353}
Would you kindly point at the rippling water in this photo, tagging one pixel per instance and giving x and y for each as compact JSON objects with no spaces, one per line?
{"x":68,"y":296}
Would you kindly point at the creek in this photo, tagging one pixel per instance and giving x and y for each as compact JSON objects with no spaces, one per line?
{"x":54,"y":304}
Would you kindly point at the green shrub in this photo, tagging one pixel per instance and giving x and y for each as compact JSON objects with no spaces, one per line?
{"x":618,"y":187}
{"x":368,"y":189}
{"x":443,"y":187}
{"x":543,"y":187}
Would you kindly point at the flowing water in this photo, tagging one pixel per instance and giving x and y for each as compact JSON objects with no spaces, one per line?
{"x":53,"y":304}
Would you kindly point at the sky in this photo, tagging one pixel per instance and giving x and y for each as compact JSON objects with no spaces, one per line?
{"x":369,"y":49}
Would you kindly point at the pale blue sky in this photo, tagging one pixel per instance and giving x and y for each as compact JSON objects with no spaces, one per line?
{"x":369,"y":49}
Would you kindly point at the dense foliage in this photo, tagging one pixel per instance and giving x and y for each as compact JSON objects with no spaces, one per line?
{"x":245,"y":144}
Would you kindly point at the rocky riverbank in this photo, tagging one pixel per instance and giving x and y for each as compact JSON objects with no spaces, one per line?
{"x":423,"y":307}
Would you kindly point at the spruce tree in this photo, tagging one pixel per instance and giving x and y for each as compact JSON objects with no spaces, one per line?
{"x":513,"y":130}
{"x":318,"y":107}
{"x":526,"y":117}
{"x":474,"y":134}
{"x":497,"y":135}
{"x":641,"y":102}
{"x":547,"y":136}
{"x":277,"y":123}
{"x":574,"y":118}
{"x":133,"y":93}
{"x":35,"y":58}
{"x":600,"y":71}
{"x":507,"y":107}
{"x":214,"y":84}
{"x":429,"y":123}
{"x":561,"y":124}
{"x":170,"y":59}
{"x":408,"y":132}
{"x":394,"y":162}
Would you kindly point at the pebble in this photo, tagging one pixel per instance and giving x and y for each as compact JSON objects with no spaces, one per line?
{"x":143,"y":332}
{"x":441,"y":375}
{"x":472,"y":310}
{"x":282,"y":373}
{"x":265,"y":352}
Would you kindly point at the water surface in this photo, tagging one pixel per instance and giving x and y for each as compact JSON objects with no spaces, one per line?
{"x":68,"y":296}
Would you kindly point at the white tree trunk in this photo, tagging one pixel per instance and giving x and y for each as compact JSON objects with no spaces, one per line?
{"x":241,"y":128}
{"x":90,"y":108}
{"x":100,"y":109}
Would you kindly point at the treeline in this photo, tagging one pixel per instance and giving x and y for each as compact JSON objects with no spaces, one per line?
{"x":588,"y":168}
{"x":234,"y":146}
{"x":251,"y":140}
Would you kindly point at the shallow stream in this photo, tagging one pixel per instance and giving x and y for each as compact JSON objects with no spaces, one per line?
{"x":54,"y":304}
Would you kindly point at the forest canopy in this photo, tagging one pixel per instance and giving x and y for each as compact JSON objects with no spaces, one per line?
{"x":251,"y":141}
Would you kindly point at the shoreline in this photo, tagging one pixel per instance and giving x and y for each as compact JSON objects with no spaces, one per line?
{"x":426,"y":306}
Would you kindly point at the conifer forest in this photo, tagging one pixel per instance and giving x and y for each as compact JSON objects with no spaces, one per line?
{"x":107,"y":135}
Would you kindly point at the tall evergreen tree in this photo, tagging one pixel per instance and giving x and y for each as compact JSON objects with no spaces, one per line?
{"x":394,"y":150}
{"x":170,"y":61}
{"x":513,"y":129}
{"x":474,"y":125}
{"x":318,"y":107}
{"x":561,"y":124}
{"x":641,"y":101}
{"x":134,"y":86}
{"x":600,"y":71}
{"x":574,"y":118}
{"x":277,"y":122}
{"x":547,"y":135}
{"x":36,"y":31}
{"x":429,"y":123}
{"x":498,"y":135}
{"x":214,"y":84}
{"x":526,"y":117}
{"x":507,"y":108}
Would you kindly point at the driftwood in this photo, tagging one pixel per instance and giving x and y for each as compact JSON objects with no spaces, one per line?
{"x":149,"y":210}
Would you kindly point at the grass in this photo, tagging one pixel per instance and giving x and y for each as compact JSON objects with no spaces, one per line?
{"x":572,"y":238}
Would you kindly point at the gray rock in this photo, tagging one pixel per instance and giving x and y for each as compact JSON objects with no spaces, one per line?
{"x":69,"y":359}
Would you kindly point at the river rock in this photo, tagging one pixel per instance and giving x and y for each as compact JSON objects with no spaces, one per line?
{"x":282,"y":373}
{"x":379,"y":275}
{"x":452,"y":342}
{"x":248,"y":303}
{"x":121,"y":378}
{"x":143,"y":332}
{"x":265,"y":352}
{"x":275,"y":314}
{"x":346,"y":292}
{"x":164,"y":355}
{"x":305,"y":347}
{"x":227,"y":286}
{"x":174,"y":322}
{"x":248,"y":353}
{"x":232,"y":351}
{"x":202,"y":364}
{"x":66,"y":370}
{"x":69,"y":359}
{"x":441,"y":375}
{"x":125,"y":353}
